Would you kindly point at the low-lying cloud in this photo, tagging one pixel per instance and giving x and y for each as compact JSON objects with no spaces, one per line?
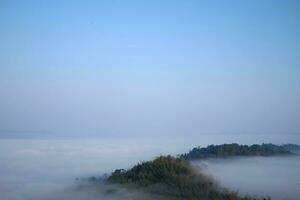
{"x":46,"y":169}
{"x":277,"y":177}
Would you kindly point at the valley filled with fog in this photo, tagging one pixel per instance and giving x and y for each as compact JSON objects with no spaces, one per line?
{"x":47,"y":168}
{"x":117,"y":100}
{"x":277,"y":177}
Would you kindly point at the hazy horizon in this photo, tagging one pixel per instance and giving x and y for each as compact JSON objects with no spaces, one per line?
{"x":150,"y":68}
{"x":33,"y":169}
{"x":87,"y":87}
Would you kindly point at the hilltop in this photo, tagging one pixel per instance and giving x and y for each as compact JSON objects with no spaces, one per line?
{"x":225,"y":150}
{"x":174,"y":179}
{"x":171,"y":178}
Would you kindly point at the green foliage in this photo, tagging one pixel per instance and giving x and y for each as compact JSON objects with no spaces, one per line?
{"x":225,"y":150}
{"x":158,"y":170}
{"x":173,"y":178}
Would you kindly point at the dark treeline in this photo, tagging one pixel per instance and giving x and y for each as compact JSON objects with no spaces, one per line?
{"x":173,"y":178}
{"x":225,"y":150}
{"x":291,"y":147}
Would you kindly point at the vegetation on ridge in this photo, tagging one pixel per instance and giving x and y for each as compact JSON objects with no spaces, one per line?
{"x":173,"y":178}
{"x":225,"y":150}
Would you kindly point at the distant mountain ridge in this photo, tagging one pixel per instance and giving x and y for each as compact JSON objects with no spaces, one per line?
{"x":234,"y":149}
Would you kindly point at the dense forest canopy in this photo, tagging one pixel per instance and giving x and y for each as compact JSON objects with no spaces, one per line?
{"x":173,"y":178}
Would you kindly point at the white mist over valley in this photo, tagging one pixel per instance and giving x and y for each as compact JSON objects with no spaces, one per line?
{"x":48,"y":168}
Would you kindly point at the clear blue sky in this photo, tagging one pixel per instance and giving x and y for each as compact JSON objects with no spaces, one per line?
{"x":156,"y":67}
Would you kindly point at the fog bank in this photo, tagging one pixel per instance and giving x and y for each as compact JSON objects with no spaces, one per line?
{"x":33,"y":169}
{"x":277,"y":177}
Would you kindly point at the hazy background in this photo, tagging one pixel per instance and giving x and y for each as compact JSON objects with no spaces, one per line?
{"x":90,"y":86}
{"x":276,"y":177}
{"x":131,"y":68}
{"x":46,"y":169}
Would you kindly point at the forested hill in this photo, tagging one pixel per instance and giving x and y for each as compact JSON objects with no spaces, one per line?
{"x":225,"y":150}
{"x":173,"y":179}
{"x":169,"y":178}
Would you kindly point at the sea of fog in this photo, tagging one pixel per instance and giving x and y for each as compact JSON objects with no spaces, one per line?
{"x":277,"y":177}
{"x":37,"y":169}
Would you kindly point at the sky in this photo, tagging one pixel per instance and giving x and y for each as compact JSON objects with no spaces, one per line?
{"x":150,"y":68}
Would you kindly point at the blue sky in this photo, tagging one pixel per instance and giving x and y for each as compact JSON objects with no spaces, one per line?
{"x":157,"y":67}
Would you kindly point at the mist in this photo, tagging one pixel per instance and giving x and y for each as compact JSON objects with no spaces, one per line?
{"x":87,"y":87}
{"x":277,"y":177}
{"x":48,"y":168}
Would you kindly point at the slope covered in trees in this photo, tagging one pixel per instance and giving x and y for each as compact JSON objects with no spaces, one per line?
{"x":169,"y":178}
{"x":225,"y":150}
{"x":172,"y":178}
